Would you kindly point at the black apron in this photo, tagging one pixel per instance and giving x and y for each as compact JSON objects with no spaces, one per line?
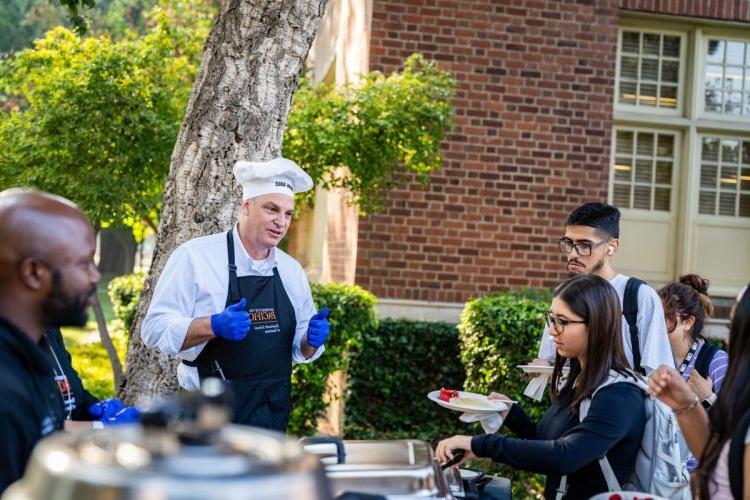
{"x":258,"y":368}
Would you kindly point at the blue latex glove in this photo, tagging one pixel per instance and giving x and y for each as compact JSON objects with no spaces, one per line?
{"x":106,"y":408}
{"x":127,"y":415}
{"x":232,"y":323}
{"x":318,"y":329}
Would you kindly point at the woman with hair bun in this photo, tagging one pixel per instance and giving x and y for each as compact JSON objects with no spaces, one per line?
{"x":700,"y":363}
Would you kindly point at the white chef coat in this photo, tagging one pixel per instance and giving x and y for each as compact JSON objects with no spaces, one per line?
{"x":652,"y":329}
{"x":194,"y":284}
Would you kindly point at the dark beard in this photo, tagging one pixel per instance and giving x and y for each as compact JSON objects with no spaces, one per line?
{"x":63,"y":310}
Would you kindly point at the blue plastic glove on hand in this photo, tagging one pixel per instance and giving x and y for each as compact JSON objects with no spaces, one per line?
{"x":106,"y":408}
{"x":128,"y":415}
{"x":318,"y":329}
{"x":232,"y":323}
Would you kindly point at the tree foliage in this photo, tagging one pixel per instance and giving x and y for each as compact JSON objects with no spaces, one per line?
{"x":95,"y":120}
{"x":376,"y":128}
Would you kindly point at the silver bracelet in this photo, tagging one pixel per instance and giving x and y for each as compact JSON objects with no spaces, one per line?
{"x":694,"y":403}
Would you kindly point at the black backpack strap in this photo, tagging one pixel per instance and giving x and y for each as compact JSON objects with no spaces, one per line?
{"x":737,"y":457}
{"x":705,"y":356}
{"x":630,"y":311}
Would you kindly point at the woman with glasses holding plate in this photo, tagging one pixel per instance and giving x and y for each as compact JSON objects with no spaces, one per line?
{"x":585,"y":327}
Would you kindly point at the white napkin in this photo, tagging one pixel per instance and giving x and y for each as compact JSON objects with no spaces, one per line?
{"x":491,"y":422}
{"x":535,"y":389}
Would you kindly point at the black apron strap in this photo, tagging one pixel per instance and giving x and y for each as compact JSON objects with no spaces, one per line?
{"x":234,"y":286}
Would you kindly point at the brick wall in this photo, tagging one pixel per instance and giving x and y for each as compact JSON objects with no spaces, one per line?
{"x":531,"y":141}
{"x":728,"y":10}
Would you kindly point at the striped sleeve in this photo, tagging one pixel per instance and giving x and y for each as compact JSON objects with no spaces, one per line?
{"x":717,"y":369}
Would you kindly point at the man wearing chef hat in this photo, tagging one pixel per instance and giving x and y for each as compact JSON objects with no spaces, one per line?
{"x":233,"y":305}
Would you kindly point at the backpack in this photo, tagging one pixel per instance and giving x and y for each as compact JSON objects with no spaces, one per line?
{"x":630,"y":311}
{"x":705,"y":356}
{"x":737,"y":457}
{"x":661,"y":462}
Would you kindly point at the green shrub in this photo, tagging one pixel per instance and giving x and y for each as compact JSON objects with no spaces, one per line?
{"x":124,"y":292}
{"x":351,"y":314}
{"x":92,"y":364}
{"x":389,"y":378}
{"x":497,"y":333}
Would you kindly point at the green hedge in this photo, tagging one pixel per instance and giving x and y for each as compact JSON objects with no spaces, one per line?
{"x":399,"y":363}
{"x":497,"y":333}
{"x":124,"y":292}
{"x":352,"y":313}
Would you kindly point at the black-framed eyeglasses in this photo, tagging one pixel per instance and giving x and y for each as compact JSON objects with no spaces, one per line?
{"x":558,"y":323}
{"x":583,"y":248}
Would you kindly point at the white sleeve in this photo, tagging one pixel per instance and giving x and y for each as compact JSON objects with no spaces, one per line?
{"x":546,"y":347}
{"x":652,"y":331}
{"x":304,"y":309}
{"x":170,"y":311}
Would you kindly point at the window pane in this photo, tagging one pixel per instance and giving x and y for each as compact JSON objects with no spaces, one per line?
{"x":668,"y":96}
{"x":671,"y":46}
{"x":624,"y":142}
{"x":647,"y":96}
{"x":733,"y":78}
{"x":645,"y":144}
{"x":650,"y":69}
{"x":708,"y":176}
{"x":728,"y":180}
{"x":730,"y":151}
{"x":710,"y":150}
{"x":663,"y":173}
{"x":669,"y":71}
{"x":746,"y":110}
{"x":745,"y":179}
{"x":643,"y":171}
{"x":629,"y":68}
{"x":727,"y":203}
{"x":714,"y":77}
{"x":713,"y":101}
{"x":642,"y":197}
{"x":651,"y":44}
{"x":707,"y":202}
{"x":631,"y":42}
{"x":621,"y":195}
{"x":665,"y":145}
{"x":733,"y":103}
{"x":623,"y":169}
{"x":745,"y":205}
{"x":746,"y":152}
{"x":661,"y":199}
{"x":735,"y":53}
{"x":628,"y":92}
{"x":715,"y":51}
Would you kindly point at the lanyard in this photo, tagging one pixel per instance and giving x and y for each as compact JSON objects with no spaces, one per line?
{"x":68,"y":398}
{"x":686,"y":362}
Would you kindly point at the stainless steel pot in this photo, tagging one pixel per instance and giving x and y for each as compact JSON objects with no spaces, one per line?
{"x":183,"y":458}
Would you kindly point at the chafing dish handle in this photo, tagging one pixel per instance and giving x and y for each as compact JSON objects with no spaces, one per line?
{"x":335,"y":440}
{"x":458,"y":455}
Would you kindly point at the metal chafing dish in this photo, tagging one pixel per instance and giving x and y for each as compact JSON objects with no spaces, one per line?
{"x":397,"y":469}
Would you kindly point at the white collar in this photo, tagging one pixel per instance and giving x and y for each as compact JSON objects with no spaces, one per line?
{"x":241,"y":252}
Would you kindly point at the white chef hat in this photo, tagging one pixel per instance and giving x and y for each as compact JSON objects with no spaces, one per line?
{"x":278,"y":175}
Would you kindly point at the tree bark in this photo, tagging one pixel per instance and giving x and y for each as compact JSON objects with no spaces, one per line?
{"x":251,"y":65}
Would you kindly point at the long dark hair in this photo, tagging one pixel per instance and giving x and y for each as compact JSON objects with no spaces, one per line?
{"x":688,"y":297}
{"x":733,"y":400}
{"x":596,"y":301}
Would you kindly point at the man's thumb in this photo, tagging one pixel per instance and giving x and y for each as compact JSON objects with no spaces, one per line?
{"x":239,"y":306}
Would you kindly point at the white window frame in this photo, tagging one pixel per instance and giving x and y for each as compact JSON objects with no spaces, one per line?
{"x":635,"y":108}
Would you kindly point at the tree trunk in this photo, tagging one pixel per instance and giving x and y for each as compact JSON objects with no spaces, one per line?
{"x":114,"y":359}
{"x":251,"y":64}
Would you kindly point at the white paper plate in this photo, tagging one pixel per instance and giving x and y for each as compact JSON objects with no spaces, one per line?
{"x":541,"y":370}
{"x":497,"y":404}
{"x":626,"y":495}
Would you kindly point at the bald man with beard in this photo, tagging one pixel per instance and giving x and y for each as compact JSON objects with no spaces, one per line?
{"x":47,"y":279}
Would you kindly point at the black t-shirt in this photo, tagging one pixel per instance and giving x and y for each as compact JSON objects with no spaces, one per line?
{"x":561,"y":445}
{"x":30,"y":405}
{"x":75,"y":398}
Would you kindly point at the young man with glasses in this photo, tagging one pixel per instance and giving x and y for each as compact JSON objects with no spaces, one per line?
{"x":591,"y":240}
